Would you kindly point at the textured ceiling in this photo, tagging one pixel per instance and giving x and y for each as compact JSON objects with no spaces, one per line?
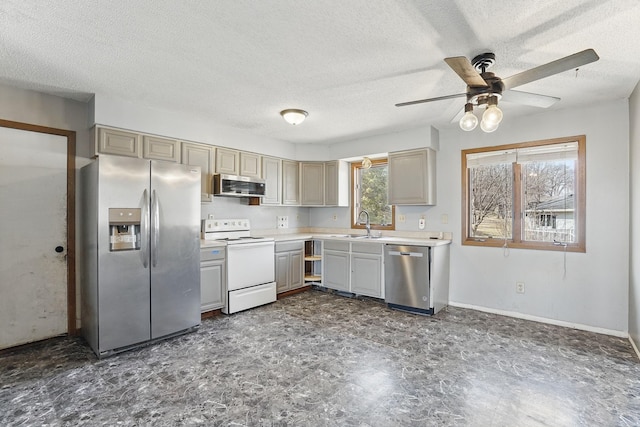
{"x":239,"y":62}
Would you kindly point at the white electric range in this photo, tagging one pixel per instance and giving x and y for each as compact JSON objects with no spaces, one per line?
{"x":250,"y":263}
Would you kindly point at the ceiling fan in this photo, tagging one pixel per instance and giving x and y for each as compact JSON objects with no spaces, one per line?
{"x":485,"y":88}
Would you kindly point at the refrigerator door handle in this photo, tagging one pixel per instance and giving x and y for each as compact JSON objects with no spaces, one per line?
{"x":144,"y":232}
{"x":155,"y":225}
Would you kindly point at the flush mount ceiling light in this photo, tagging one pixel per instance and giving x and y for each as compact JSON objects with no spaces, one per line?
{"x":366,"y":163}
{"x":294,"y":116}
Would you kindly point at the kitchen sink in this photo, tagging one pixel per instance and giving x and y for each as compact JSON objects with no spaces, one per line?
{"x":355,"y":236}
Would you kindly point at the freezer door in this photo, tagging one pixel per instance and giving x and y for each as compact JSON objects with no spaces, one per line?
{"x":123,"y":281}
{"x":174,"y":248}
{"x":407,"y":276}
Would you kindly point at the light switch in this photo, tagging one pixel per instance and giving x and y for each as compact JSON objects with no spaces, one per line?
{"x":421,"y":223}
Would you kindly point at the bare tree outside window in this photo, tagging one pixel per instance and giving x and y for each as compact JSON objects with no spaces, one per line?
{"x":529,"y":195}
{"x":370,"y":194}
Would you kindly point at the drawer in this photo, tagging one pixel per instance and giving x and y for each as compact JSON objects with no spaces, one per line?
{"x":210,"y":254}
{"x":336,"y":245}
{"x":289,"y":246}
{"x":367,"y":248}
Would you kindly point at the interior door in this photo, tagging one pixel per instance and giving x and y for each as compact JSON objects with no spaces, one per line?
{"x":33,"y":230}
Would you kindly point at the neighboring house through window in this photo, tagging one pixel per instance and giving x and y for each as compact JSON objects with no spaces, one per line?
{"x":528,"y":195}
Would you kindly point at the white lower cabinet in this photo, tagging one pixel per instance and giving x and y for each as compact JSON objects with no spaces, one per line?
{"x":366,"y":269}
{"x":213,"y":278}
{"x":353,"y":267}
{"x":335,"y":265}
{"x":289,"y":259}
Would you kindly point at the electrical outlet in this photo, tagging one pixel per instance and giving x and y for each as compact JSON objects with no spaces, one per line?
{"x":402,"y":218}
{"x":445,"y":219}
{"x":335,"y":217}
{"x":283,"y":222}
{"x":520,"y":287}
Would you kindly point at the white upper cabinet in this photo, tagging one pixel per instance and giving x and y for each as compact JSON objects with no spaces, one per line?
{"x":227,"y":161}
{"x":312,"y":183}
{"x":200,"y":155}
{"x":336,"y":183}
{"x":250,"y":164}
{"x":119,"y":142}
{"x":271,"y":168}
{"x":157,"y":148}
{"x":290,"y":183}
{"x":412,"y":177}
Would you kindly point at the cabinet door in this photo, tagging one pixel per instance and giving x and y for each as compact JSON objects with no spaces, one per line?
{"x":296,"y":269}
{"x":366,"y":274}
{"x":271,"y":176}
{"x":312,"y":184}
{"x":119,"y":142}
{"x":336,"y":183}
{"x":250,"y":164}
{"x":227,"y":161}
{"x":290,"y":183}
{"x":331,"y":183}
{"x":200,"y":155}
{"x":282,"y":272}
{"x":156,"y":148}
{"x":212,"y":285}
{"x":335,"y":270}
{"x":412,"y":177}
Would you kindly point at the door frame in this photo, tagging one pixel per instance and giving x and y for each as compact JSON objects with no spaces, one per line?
{"x":71,"y":211}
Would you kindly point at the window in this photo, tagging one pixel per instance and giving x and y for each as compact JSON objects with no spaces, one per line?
{"x":528,"y":195}
{"x":369,"y":192}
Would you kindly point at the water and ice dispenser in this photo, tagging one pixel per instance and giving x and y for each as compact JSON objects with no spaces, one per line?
{"x":124,"y":229}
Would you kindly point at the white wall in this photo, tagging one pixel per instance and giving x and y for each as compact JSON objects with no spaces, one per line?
{"x":594,"y":293}
{"x":634,"y":282}
{"x":123,"y":114}
{"x":38,"y":108}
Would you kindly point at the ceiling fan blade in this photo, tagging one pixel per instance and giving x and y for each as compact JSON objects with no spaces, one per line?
{"x":458,"y":116}
{"x":438,"y":98}
{"x":465,"y":70}
{"x":526,"y":98}
{"x":558,"y":66}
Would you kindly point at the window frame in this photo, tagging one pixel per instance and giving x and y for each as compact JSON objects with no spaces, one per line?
{"x":355,"y":166}
{"x":516,"y":240}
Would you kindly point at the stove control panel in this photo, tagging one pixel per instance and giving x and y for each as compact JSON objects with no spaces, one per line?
{"x":222,"y":225}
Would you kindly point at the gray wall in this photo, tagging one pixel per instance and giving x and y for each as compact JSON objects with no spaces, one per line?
{"x":634,"y":281}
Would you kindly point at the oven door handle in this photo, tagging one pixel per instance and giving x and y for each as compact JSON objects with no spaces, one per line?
{"x":249,"y":245}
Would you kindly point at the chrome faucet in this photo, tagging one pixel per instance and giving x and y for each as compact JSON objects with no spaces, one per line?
{"x":367,"y":225}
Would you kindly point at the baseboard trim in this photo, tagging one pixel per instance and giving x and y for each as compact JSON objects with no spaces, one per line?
{"x":635,"y":347}
{"x":515,"y":314}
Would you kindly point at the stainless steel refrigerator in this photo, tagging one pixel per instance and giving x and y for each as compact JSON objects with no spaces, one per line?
{"x":140,"y":223}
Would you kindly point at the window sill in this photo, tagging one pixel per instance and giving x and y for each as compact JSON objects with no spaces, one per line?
{"x":541,"y":246}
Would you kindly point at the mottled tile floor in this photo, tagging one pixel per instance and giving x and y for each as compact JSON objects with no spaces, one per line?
{"x":316,"y":359}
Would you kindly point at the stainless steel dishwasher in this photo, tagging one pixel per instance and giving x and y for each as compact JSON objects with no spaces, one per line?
{"x":407,"y":278}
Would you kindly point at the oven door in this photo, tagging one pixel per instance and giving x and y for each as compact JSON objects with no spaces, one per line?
{"x":250,"y":264}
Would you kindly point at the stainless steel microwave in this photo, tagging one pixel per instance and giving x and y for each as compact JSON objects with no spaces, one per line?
{"x":237,"y":186}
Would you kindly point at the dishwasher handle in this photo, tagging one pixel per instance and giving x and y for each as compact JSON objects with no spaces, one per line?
{"x":411,"y":254}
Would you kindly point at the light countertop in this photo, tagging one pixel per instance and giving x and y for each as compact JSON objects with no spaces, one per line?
{"x":382,"y":240}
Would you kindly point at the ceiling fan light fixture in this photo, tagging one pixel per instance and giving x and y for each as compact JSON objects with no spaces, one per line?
{"x":492,"y":114}
{"x":488,"y":127}
{"x":294,"y":116}
{"x":469,"y":121}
